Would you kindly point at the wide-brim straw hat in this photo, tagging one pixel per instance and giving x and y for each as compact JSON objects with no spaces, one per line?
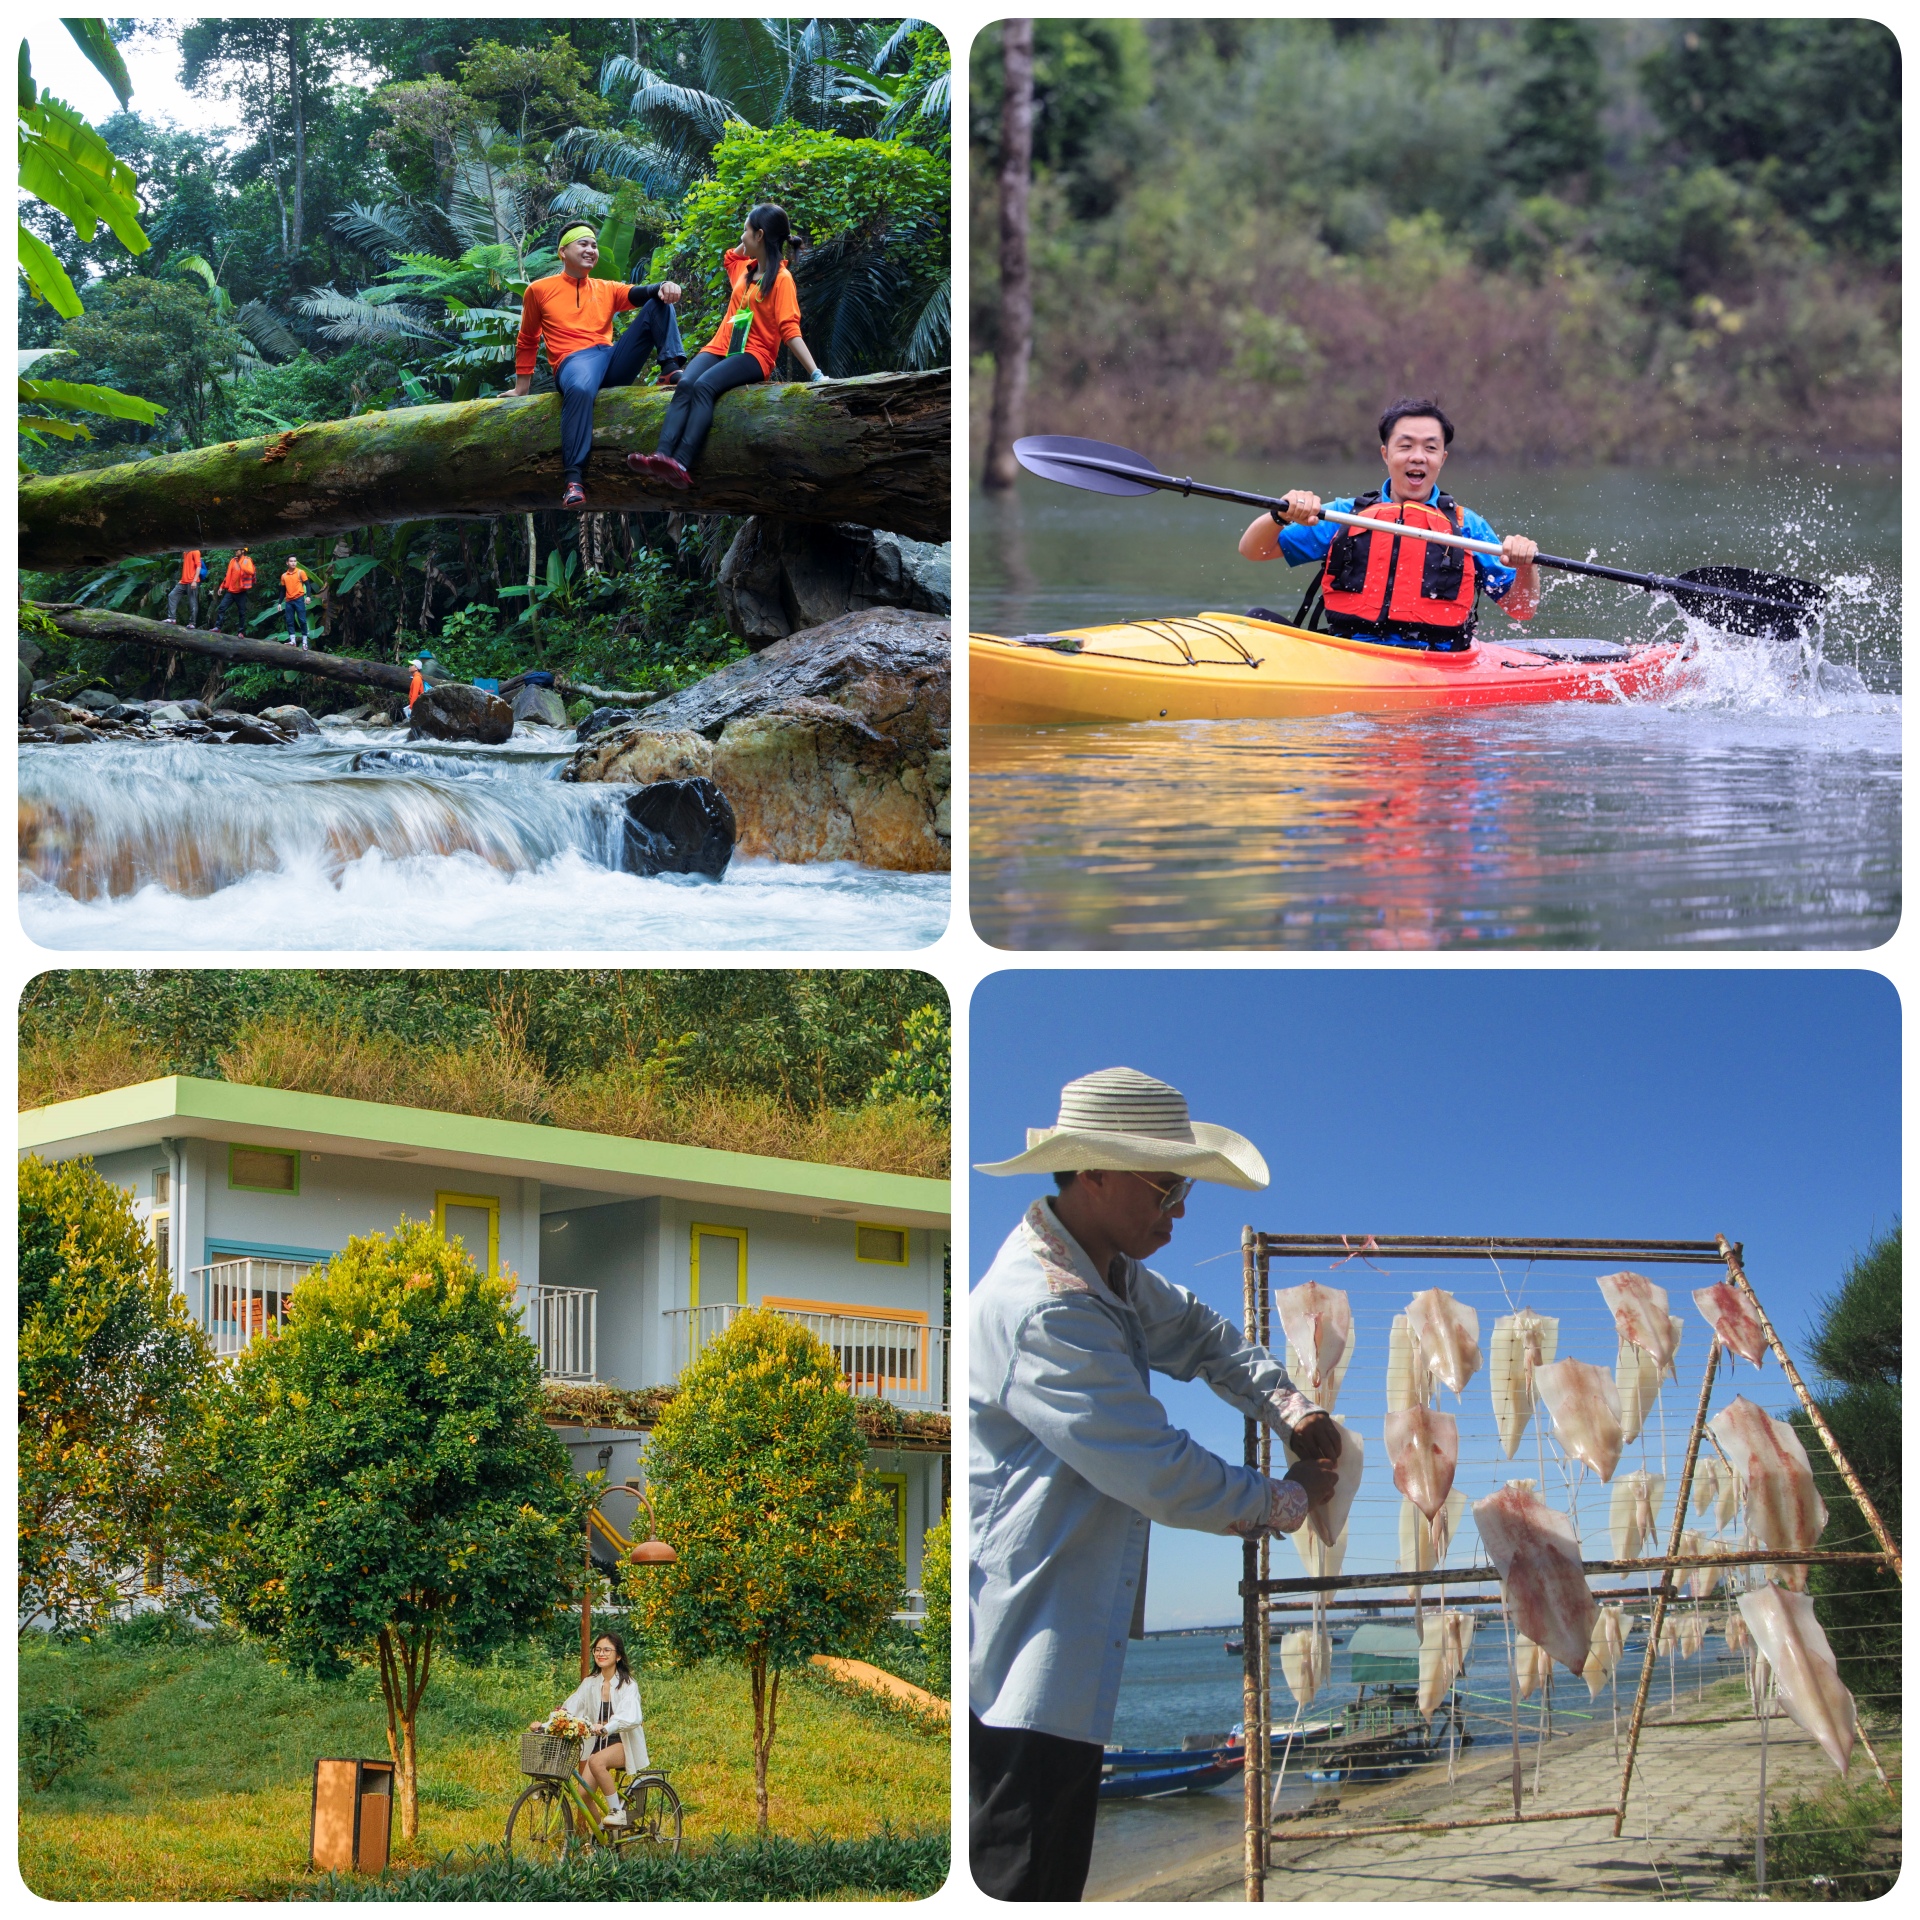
{"x":1118,"y":1120}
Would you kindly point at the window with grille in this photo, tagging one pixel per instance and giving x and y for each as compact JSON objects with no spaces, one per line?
{"x":885,"y":1245}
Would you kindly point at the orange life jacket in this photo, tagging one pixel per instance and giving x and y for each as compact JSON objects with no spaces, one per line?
{"x":1375,"y":582}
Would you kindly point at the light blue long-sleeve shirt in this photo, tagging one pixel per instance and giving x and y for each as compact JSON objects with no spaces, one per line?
{"x":1070,"y":1456}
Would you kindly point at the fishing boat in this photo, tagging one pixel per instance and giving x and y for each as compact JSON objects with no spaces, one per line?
{"x":1230,"y":666}
{"x":1140,"y":1773}
{"x":1382,"y":1733}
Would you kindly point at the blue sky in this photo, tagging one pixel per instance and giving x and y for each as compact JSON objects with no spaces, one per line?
{"x":1618,"y":1104}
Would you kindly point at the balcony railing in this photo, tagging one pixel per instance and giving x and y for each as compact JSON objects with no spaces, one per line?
{"x":565,"y":1330}
{"x":899,"y":1361}
{"x":237,"y":1300}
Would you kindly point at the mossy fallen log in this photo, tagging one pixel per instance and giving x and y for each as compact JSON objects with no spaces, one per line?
{"x":96,"y":623}
{"x":873,"y":452}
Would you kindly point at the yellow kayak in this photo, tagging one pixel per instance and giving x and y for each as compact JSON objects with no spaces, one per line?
{"x":1227,"y":666}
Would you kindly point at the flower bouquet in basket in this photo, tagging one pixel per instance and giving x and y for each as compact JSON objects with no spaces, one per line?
{"x":552,"y":1747}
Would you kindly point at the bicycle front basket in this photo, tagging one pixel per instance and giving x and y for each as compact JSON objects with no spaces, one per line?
{"x":546,"y":1755}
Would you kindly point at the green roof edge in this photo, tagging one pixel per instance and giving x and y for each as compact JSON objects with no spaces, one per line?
{"x":226,"y":1101}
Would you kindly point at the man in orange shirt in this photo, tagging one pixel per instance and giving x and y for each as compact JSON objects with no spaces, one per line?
{"x":192,"y":568}
{"x":234,"y":590}
{"x":293,"y":584}
{"x":573,"y":313}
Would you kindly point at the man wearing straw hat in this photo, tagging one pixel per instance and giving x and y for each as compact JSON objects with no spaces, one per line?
{"x":1070,"y":1457}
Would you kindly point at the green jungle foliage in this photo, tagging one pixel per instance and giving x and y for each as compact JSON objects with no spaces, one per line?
{"x":1594,"y":238}
{"x":365,"y":245}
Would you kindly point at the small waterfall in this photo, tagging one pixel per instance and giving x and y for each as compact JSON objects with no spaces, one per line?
{"x":174,"y":846}
{"x":107,"y":821}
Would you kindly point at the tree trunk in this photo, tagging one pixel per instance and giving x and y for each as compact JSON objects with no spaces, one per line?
{"x":1015,"y":344}
{"x":762,"y":1736}
{"x":873,"y":451}
{"x":95,"y":623}
{"x":296,"y":55}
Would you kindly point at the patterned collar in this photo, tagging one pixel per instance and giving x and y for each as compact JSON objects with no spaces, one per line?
{"x":1062,"y":1259}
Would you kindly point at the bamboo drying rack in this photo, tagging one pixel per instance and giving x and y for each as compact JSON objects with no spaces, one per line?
{"x":1258,"y":1589}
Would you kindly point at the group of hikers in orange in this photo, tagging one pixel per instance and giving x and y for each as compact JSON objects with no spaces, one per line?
{"x":572,"y":313}
{"x":235,"y":585}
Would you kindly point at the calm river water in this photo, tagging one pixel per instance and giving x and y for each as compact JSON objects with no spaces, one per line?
{"x":1760,"y":808}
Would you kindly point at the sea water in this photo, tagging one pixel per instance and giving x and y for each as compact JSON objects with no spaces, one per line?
{"x":1758,"y":805}
{"x":159,"y":846}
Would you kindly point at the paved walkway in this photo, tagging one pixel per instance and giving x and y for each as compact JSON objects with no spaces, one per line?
{"x":1694,"y":1789}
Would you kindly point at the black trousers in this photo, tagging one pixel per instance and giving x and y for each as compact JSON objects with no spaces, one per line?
{"x":1032,"y":1799}
{"x":690,"y":412}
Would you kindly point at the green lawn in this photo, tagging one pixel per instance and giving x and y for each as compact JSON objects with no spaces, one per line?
{"x":200,"y":1784}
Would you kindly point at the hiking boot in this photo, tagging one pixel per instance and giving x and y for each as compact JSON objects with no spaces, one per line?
{"x":670,"y":374}
{"x":659,"y":468}
{"x":575,"y":495}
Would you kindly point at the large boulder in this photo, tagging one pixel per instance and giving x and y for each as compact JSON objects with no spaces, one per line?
{"x":783,"y":576}
{"x":638,"y":756}
{"x":456,"y":712}
{"x":891,"y":667}
{"x":679,"y":826}
{"x":292,"y":719}
{"x":831,"y":744}
{"x":541,"y":705}
{"x":92,"y":700}
{"x":811,"y":781}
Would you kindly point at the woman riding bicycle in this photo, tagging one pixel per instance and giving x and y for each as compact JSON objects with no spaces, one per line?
{"x":608,"y":1700}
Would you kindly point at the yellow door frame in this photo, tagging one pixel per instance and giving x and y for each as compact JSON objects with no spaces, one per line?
{"x":897,"y":1480}
{"x":736,"y":1234}
{"x":442,"y":1201}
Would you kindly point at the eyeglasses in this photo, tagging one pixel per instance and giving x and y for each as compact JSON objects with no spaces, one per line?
{"x":1172,"y":1194}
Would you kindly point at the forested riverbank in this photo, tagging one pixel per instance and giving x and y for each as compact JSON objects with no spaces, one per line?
{"x":1594,"y":240}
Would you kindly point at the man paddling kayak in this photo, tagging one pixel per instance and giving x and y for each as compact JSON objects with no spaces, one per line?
{"x":1397,"y":592}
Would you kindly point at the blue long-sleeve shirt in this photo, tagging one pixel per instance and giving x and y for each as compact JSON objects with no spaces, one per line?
{"x":1298,"y":545}
{"x":1070,"y":1456}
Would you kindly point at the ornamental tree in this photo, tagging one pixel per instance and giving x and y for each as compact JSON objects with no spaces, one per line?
{"x":112,"y":1373}
{"x":388,"y":1484}
{"x":756,"y":1472}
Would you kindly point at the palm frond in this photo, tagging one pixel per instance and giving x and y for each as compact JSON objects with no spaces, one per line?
{"x":930,"y":344}
{"x":349,"y":321}
{"x":384,"y":227}
{"x":581,"y":199}
{"x":265,"y":328}
{"x":660,"y":172}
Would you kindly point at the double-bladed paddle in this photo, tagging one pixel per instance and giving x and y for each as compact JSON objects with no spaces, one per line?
{"x":1737,"y":599}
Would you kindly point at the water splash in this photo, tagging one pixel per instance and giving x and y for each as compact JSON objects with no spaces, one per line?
{"x":147,"y":848}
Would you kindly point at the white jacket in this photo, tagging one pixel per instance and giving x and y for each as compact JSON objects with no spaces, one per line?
{"x":623,"y":1722}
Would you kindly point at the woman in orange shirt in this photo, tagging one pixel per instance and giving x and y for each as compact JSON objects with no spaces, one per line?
{"x":762,"y":316}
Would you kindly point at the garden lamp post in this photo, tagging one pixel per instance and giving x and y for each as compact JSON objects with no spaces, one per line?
{"x":650,"y":1552}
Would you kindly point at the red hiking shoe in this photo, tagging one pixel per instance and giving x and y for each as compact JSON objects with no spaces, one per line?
{"x":575,"y":495}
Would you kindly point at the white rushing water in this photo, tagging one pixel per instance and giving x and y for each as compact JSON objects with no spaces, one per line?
{"x":155,"y":847}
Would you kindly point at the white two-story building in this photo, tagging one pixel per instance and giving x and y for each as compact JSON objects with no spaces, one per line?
{"x":628,"y":1255}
